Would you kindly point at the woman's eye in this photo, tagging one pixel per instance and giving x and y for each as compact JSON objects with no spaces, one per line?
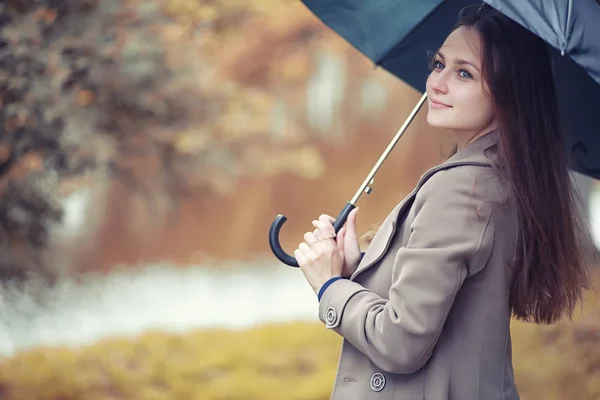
{"x":465,"y":74}
{"x":438,"y":65}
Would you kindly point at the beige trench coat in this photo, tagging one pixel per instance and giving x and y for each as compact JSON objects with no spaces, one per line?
{"x":426,"y":314}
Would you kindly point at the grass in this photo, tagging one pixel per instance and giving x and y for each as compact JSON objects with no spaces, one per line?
{"x":295,"y":361}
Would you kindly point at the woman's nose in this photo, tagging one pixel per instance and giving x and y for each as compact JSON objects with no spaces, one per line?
{"x":439,"y":82}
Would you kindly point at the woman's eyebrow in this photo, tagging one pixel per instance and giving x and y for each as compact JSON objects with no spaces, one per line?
{"x":458,"y":61}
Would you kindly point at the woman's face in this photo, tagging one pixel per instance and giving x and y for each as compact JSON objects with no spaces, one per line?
{"x":458,"y":97}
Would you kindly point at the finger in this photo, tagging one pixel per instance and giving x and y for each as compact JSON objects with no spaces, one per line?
{"x":310,"y":238}
{"x":318,"y":234}
{"x":352,"y":217}
{"x":351,"y":222}
{"x":340,"y":237}
{"x":323,"y":222}
{"x":300,"y":257}
{"x":326,"y":218}
{"x":308,"y":252}
{"x":326,"y":228}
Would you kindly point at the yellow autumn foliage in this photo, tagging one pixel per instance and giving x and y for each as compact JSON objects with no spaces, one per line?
{"x":246,"y":60}
{"x":295,"y":361}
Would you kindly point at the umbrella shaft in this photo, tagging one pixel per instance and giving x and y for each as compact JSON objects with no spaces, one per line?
{"x":388,"y":150}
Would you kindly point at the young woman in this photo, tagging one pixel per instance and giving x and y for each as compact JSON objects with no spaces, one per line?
{"x":487,"y":235}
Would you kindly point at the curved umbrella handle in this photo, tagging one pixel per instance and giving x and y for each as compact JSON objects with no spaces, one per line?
{"x":341,"y":219}
{"x":280,"y":220}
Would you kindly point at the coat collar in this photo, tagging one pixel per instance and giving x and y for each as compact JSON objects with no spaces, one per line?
{"x":475,"y":153}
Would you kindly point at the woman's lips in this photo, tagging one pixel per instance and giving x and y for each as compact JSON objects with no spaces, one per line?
{"x":437,"y":105}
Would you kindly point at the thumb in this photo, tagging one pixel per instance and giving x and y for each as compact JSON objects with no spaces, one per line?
{"x":340,"y":236}
{"x":351,"y":222}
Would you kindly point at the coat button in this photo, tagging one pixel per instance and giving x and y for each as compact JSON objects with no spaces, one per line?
{"x":377,"y":382}
{"x":330,"y":316}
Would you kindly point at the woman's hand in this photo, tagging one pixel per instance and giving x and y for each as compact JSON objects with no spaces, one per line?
{"x":320,"y":258}
{"x":346,"y":237}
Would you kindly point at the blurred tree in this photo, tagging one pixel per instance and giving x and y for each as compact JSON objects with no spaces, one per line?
{"x":135,"y":90}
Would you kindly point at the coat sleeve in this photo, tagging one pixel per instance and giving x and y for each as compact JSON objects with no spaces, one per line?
{"x":450,"y":237}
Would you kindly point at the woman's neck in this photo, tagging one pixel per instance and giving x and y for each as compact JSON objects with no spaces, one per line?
{"x":463,"y":138}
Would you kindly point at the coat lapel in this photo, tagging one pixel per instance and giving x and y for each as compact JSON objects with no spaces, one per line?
{"x":473,"y":154}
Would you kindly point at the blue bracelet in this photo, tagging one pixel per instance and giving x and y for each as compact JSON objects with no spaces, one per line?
{"x":326,"y":285}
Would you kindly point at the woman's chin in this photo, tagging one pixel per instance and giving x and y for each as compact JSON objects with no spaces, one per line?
{"x":437,"y":121}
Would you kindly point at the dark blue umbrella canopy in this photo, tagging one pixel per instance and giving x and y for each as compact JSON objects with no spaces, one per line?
{"x":400,"y":35}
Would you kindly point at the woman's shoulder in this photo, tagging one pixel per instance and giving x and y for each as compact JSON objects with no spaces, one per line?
{"x":455,"y":206}
{"x":471,"y":181}
{"x":471,"y":192}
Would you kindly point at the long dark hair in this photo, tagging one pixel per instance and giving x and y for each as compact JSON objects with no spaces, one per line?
{"x":550,"y":272}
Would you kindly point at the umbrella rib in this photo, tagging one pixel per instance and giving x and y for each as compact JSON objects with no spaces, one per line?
{"x":567,"y":35}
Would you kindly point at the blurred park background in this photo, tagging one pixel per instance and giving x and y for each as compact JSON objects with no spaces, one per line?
{"x":147,"y":146}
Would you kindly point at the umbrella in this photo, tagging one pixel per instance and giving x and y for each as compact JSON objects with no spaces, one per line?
{"x":397,"y":35}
